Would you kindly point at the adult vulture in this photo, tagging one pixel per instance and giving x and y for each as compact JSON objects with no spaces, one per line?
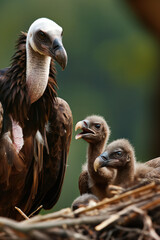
{"x":35,"y":125}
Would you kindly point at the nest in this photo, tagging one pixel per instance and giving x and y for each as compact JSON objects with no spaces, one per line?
{"x":133,"y":214}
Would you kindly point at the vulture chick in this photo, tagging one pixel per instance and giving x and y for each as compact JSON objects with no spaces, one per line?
{"x":35,"y":125}
{"x":85,"y":200}
{"x":120,"y":155}
{"x":95,"y":132}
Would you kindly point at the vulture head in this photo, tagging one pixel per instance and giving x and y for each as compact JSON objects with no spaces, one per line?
{"x":119,"y":154}
{"x":44,"y":42}
{"x":45,"y":37}
{"x":94,"y":129}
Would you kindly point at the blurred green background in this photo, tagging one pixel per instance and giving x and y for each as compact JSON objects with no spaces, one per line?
{"x":112,"y":69}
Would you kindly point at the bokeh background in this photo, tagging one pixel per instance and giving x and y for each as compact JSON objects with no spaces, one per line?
{"x":113,"y":68}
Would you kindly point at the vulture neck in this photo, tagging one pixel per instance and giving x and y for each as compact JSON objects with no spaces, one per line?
{"x":94,"y":150}
{"x":125,"y":174}
{"x":37,"y":73}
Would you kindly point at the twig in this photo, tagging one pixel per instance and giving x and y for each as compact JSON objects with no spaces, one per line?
{"x":10,"y":234}
{"x":40,"y":207}
{"x":50,"y":224}
{"x":61,"y":213}
{"x":148,"y":224}
{"x":131,"y":201}
{"x":113,"y":218}
{"x":22,"y":213}
{"x":129,"y":215}
{"x":39,"y":235}
{"x":137,"y":230}
{"x":66,"y":233}
{"x":151,"y":204}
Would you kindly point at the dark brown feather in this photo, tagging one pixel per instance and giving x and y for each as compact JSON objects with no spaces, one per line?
{"x":83,"y":183}
{"x":54,"y":165}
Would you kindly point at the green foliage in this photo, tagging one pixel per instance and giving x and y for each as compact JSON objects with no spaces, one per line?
{"x":130,"y":59}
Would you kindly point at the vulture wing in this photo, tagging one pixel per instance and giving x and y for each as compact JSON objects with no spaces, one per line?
{"x":154,"y":175}
{"x":58,"y":134}
{"x":153,"y":163}
{"x":84,"y":182}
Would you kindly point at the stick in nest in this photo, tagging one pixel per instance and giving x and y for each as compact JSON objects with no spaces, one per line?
{"x":107,"y":201}
{"x":40,"y":207}
{"x":24,"y":215}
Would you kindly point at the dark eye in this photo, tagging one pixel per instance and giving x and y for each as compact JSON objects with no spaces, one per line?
{"x":118,"y":154}
{"x":62,"y":34}
{"x":41,"y":35}
{"x":97,"y":125}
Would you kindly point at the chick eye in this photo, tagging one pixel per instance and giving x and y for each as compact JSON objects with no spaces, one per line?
{"x":97,"y":125}
{"x":118,"y":153}
{"x":62,"y":34}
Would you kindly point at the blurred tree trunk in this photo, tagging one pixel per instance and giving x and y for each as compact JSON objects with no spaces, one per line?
{"x":148,"y":12}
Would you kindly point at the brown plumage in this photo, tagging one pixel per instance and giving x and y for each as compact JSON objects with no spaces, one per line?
{"x":155,"y":162}
{"x":120,"y":155}
{"x":36,"y":127}
{"x":96,"y":132}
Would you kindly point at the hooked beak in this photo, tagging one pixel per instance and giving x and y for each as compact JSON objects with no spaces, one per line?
{"x":84,"y":125}
{"x":79,"y":125}
{"x":100,"y":161}
{"x":104,"y":161}
{"x":58,"y":53}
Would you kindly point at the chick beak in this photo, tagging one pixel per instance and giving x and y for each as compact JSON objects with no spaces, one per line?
{"x":79,"y":125}
{"x":100,"y":161}
{"x":84,"y":126}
